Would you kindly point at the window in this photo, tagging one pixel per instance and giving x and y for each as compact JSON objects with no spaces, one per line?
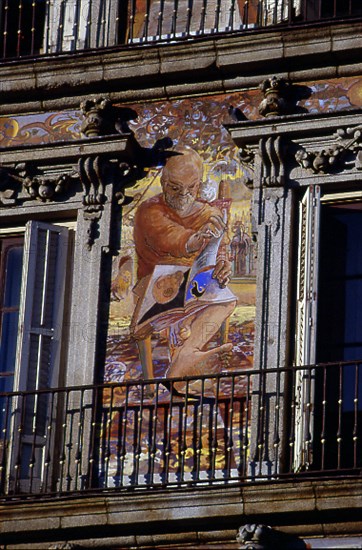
{"x":33,"y":270}
{"x":11,"y":256}
{"x":329,"y":329}
{"x":21,"y":27}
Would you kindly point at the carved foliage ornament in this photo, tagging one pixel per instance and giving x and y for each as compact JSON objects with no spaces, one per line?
{"x":335,"y":157}
{"x":22,"y":181}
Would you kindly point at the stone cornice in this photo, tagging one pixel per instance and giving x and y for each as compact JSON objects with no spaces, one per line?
{"x":187,"y":513}
{"x":213,"y":65}
{"x":321,"y":144}
{"x":70,"y":151}
{"x":301,"y":126}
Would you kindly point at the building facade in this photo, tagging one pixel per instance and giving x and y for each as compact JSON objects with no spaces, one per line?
{"x":181,"y":282}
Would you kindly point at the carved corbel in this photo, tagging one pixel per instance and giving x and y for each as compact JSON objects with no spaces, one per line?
{"x":95,"y":173}
{"x":92,"y":173}
{"x":273,"y":165}
{"x":102,"y":118}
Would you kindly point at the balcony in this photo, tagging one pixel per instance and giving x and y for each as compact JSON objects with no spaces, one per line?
{"x":233,"y":429}
{"x":32,"y":28}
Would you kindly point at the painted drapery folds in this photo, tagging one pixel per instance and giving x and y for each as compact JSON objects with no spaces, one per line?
{"x":182,"y":296}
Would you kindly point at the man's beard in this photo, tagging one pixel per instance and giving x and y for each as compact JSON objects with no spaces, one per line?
{"x":180,"y":204}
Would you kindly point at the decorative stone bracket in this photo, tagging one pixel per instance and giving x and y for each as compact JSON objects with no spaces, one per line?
{"x":273,"y":154}
{"x":95,"y":173}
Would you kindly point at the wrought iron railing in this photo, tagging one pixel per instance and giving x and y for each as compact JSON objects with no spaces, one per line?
{"x":36,"y":27}
{"x":233,"y":428}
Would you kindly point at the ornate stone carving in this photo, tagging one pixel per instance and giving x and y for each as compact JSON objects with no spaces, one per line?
{"x":95,"y":173}
{"x":272,"y":154}
{"x":275,"y":102}
{"x":323,"y":161}
{"x":281,"y":97}
{"x":102,"y":118}
{"x":44,"y":188}
{"x":22,"y":179}
{"x":334,"y":157}
{"x":255,"y":536}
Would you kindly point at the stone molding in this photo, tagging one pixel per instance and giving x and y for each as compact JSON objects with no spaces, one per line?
{"x":317,"y":144}
{"x":214,"y":515}
{"x":218,"y":64}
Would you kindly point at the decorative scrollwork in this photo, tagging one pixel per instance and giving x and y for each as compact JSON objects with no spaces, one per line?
{"x":272,"y":154}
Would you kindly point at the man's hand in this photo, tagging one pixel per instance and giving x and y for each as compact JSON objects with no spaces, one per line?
{"x":222,"y":272}
{"x":213,"y":228}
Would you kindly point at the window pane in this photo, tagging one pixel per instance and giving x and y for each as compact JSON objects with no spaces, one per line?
{"x":340,"y":292}
{"x":8,"y":338}
{"x":13,"y":276}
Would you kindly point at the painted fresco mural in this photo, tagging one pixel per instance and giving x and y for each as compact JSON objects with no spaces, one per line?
{"x":158,"y":296}
{"x":183,"y":292}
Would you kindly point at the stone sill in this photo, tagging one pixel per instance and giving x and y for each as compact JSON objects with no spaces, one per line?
{"x":212,"y":65}
{"x":327,"y":508}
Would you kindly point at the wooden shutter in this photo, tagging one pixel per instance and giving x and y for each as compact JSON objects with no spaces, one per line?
{"x":307,"y":296}
{"x":38,"y":348}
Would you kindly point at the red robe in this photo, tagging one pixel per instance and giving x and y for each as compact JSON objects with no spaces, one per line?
{"x":160,"y":234}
